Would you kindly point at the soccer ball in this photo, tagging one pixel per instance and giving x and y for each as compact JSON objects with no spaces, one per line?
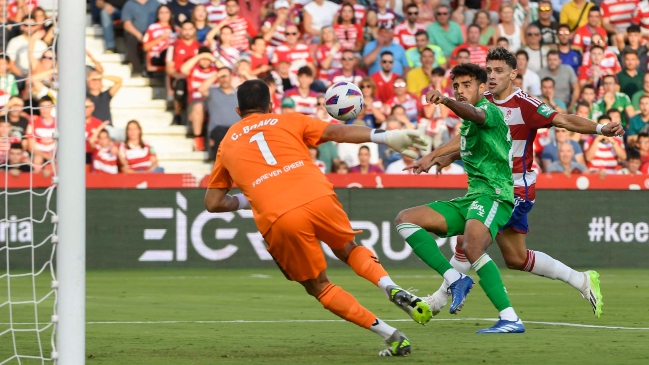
{"x":344,"y":101}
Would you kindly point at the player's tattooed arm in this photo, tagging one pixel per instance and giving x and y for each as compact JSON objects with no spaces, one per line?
{"x":577,"y":124}
{"x":463,"y":110}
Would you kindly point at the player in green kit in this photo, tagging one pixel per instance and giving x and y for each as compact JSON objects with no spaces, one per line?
{"x":485,"y":145}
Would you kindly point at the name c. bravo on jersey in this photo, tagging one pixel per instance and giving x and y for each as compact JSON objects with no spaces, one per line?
{"x":247,"y":129}
{"x":277,"y":172}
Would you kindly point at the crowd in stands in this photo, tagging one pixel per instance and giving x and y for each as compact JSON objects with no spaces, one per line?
{"x":579,"y":57}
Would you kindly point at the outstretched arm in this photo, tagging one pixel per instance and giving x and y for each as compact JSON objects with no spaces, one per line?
{"x":577,"y":124}
{"x":398,"y":140}
{"x":465,"y":111}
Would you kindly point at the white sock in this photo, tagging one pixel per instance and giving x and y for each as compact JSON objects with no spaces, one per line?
{"x":382,"y":329}
{"x":508,"y":314}
{"x":384,"y":282}
{"x":451,"y":275}
{"x":544,"y":265}
{"x":460,"y":266}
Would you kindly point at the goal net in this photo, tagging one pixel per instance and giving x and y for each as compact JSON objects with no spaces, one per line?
{"x":28,"y":155}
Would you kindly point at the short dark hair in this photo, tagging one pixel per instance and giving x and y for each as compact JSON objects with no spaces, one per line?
{"x":397,"y":107}
{"x":438,"y":71}
{"x":564,"y":26}
{"x":521,"y":52}
{"x":642,"y":135}
{"x":46,"y":99}
{"x":255,"y":39}
{"x":553,"y":52}
{"x":633,"y":29}
{"x":463,"y":50}
{"x":427,"y":50}
{"x":421,"y":32}
{"x":609,"y":76}
{"x":204,"y":49}
{"x":546,"y":79}
{"x":633,"y":154}
{"x":186,"y":22}
{"x":594,"y":46}
{"x":631,"y":51}
{"x":5,"y":57}
{"x":412,"y":5}
{"x":16,"y":146}
{"x":588,"y":86}
{"x":305,"y":70}
{"x":364,"y":147}
{"x":594,"y":8}
{"x":644,"y":96}
{"x":269,"y":80}
{"x":236,"y":1}
{"x":502,"y":39}
{"x":470,"y":69}
{"x":474,"y":25}
{"x":253,"y":95}
{"x":519,"y":77}
{"x":613,"y":111}
{"x":582,"y":103}
{"x":387,"y":53}
{"x":604,"y":117}
{"x":502,"y":54}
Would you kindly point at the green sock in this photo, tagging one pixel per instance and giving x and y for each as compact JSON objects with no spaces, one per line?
{"x":491,"y":282}
{"x":424,"y":246}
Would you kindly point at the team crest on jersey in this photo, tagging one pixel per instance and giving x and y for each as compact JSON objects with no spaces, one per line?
{"x":545,"y":110}
{"x":478,"y":207}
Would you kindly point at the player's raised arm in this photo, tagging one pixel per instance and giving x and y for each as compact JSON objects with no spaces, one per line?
{"x":463,"y":110}
{"x":398,"y":140}
{"x":578,"y":124}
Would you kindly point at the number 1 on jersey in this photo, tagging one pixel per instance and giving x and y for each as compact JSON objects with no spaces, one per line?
{"x":263,"y":147}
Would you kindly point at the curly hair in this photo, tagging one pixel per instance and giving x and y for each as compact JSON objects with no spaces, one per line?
{"x":469,"y":69}
{"x":502,"y":54}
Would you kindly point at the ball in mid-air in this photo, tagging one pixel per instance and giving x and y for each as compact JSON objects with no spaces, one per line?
{"x":344,"y":101}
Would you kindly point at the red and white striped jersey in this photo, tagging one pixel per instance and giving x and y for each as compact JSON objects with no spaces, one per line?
{"x":13,"y":7}
{"x":610,"y":62}
{"x":389,"y":18}
{"x":336,"y":63}
{"x":523,"y":132}
{"x":348,"y":34}
{"x":103,"y":160}
{"x":411,"y":104}
{"x":303,"y":104}
{"x":91,"y":127}
{"x":196,"y":77}
{"x":641,"y":16}
{"x":605,"y":156}
{"x":278,"y":36}
{"x":43,"y":134}
{"x":138,"y":158}
{"x":406,"y":36}
{"x":355,"y":77}
{"x":298,"y":56}
{"x":241,"y":30}
{"x":619,"y":12}
{"x":229,"y":56}
{"x":359,"y":13}
{"x":154,"y":31}
{"x":478,"y":55}
{"x":215,"y":12}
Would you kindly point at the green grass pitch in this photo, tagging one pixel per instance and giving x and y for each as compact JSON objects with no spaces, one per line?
{"x":257,"y":317}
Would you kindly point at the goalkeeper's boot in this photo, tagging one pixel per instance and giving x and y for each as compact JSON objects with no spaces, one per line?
{"x":505,"y":326}
{"x":416,"y":308}
{"x":592,"y":293}
{"x":437,"y":301}
{"x":459,"y":289}
{"x":398,"y":345}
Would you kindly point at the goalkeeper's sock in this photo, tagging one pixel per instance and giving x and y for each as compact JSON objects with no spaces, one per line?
{"x":426,"y":248}
{"x":493,"y":286}
{"x":345,"y":306}
{"x":366,"y":265}
{"x":542,"y":264}
{"x":382,"y":329}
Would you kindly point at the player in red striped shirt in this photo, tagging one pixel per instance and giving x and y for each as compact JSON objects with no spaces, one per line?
{"x":242,"y":28}
{"x":306,"y":100}
{"x":477,"y":51}
{"x":524,"y":115}
{"x":404,"y":33}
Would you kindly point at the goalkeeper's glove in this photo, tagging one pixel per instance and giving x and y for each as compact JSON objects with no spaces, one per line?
{"x":400,"y":140}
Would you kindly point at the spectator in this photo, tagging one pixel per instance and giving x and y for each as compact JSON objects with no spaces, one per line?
{"x":372,"y":104}
{"x":341,"y":168}
{"x":92,"y":124}
{"x":137,"y":15}
{"x":567,"y":87}
{"x":385,"y":78}
{"x":199,"y":19}
{"x":633,"y":163}
{"x":398,"y":111}
{"x":259,"y":63}
{"x":135,"y":155}
{"x":197,"y":70}
{"x":570,"y":55}
{"x":404,"y":33}
{"x":223,"y":50}
{"x":322,"y":113}
{"x":221,"y":102}
{"x":18,"y":48}
{"x":594,"y":73}
{"x":617,"y":16}
{"x":305,"y":98}
{"x":328,"y":54}
{"x":635,"y":101}
{"x":317,"y":15}
{"x":157,"y":38}
{"x":486,"y":29}
{"x":443,"y":32}
{"x":371,"y":28}
{"x":43,"y":127}
{"x":566,"y":163}
{"x":181,"y":10}
{"x":589,"y":95}
{"x":548,"y":27}
{"x":615,"y":100}
{"x":518,"y":81}
{"x":104,"y":152}
{"x":182,"y":50}
{"x":14,"y":163}
{"x":508,"y":29}
{"x":426,"y":13}
{"x":6,"y":140}
{"x":215,"y":11}
{"x":629,"y":78}
{"x":9,"y":27}
{"x":413,"y":55}
{"x":408,"y":101}
{"x":551,"y":150}
{"x":477,"y":52}
{"x":635,"y":44}
{"x":364,"y":166}
{"x":471,"y":11}
{"x":386,"y":16}
{"x":8,"y":84}
{"x":576,"y":13}
{"x":274,"y":28}
{"x":641,"y":17}
{"x":547,"y":96}
{"x":101,"y":99}
{"x":284,"y":79}
{"x":502,"y":42}
{"x":19,"y":128}
{"x":387,"y":155}
{"x":525,"y":13}
{"x":241,"y":27}
{"x":583,"y":110}
{"x":397,"y":167}
{"x":436,"y":116}
{"x":242,"y":72}
{"x":288,"y":106}
{"x":315,"y":154}
{"x":359,"y":11}
{"x":328,"y":154}
{"x":297,"y":54}
{"x":531,"y":80}
{"x":374,"y":50}
{"x":348,"y":72}
{"x":610,"y":59}
{"x":583,"y":35}
{"x":642,"y":147}
{"x":603,"y":153}
{"x":639,"y":123}
{"x":348,"y":29}
{"x":111,"y":10}
{"x":418,"y":78}
{"x":536,"y":52}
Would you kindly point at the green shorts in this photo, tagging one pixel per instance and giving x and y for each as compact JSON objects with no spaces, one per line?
{"x":493,"y":213}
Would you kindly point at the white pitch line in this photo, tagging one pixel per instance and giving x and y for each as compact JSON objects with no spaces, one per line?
{"x":563,"y":324}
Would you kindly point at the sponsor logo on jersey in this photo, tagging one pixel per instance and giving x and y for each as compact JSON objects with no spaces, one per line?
{"x":545,"y":110}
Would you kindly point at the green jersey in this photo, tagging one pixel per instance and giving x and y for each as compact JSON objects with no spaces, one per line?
{"x":485,"y":151}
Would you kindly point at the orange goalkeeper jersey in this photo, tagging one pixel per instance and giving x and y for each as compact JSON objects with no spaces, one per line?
{"x":266,"y":156}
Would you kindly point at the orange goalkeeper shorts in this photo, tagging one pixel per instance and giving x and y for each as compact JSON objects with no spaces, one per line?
{"x":294,"y":238}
